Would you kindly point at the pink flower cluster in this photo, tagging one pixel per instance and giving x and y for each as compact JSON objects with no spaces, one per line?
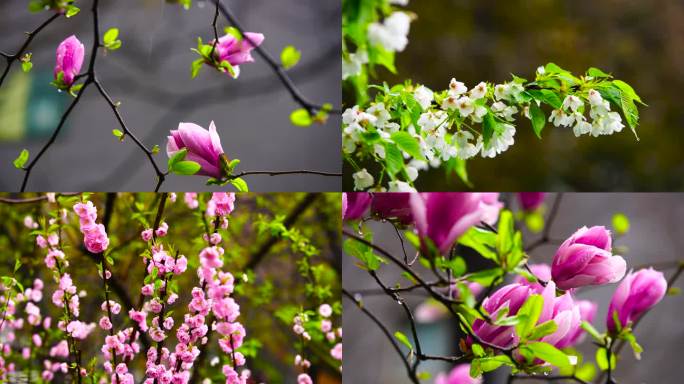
{"x":95,"y":237}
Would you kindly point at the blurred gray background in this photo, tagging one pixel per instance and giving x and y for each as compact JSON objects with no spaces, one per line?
{"x":150,"y":75}
{"x":654,"y":236}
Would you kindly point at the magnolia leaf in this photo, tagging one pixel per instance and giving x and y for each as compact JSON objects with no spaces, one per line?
{"x":21,"y":160}
{"x":289,"y":56}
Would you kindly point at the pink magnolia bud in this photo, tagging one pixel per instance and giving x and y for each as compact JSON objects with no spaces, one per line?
{"x":70,"y":54}
{"x":587,"y":311}
{"x":392,"y":206}
{"x":204,"y":147}
{"x":637,"y":293}
{"x":354,"y":205}
{"x":511,"y":296}
{"x":529,"y":201}
{"x":459,"y":375}
{"x":235,"y":51}
{"x":444,"y":216}
{"x":564,"y":312}
{"x":586,"y":259}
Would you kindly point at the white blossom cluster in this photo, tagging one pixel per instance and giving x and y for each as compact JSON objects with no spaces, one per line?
{"x":571,"y":113}
{"x":440,"y":139}
{"x":391,"y":34}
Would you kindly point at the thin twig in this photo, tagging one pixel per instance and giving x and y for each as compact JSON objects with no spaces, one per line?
{"x":12,"y":58}
{"x":275,"y":66}
{"x":278,"y":173}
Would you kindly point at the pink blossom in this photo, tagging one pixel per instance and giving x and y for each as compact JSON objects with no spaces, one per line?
{"x":237,"y":51}
{"x":70,"y":54}
{"x":221,"y":204}
{"x":304,"y":378}
{"x":162,"y":230}
{"x":190,"y":199}
{"x":41,"y":242}
{"x":105,"y":323}
{"x":146,"y":235}
{"x":325,"y":310}
{"x":336,"y":352}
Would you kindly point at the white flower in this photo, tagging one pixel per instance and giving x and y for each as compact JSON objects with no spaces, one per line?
{"x":478,"y":114}
{"x":581,"y":128}
{"x":499,"y":142}
{"x":362,"y":180}
{"x":503,"y":110}
{"x":508,"y":91}
{"x":379,"y":150}
{"x":479,"y":91}
{"x":465,"y":106}
{"x":457,"y":88}
{"x":399,"y":2}
{"x":449,"y":102}
{"x":423,"y":96}
{"x":355,"y":116}
{"x":466,"y":149}
{"x":431,"y":120}
{"x":382,"y":117}
{"x":560,"y":118}
{"x":400,"y":186}
{"x":348,"y":144}
{"x":594,"y":97}
{"x":391,"y":34}
{"x":351,"y":66}
{"x":541,"y":70}
{"x":412,"y":173}
{"x":572,"y":102}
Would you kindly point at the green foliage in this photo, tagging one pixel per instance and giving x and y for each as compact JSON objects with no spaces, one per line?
{"x":620,"y":224}
{"x":289,"y":56}
{"x":179,"y":166}
{"x":110,"y":39}
{"x":21,"y":160}
{"x":301,"y":117}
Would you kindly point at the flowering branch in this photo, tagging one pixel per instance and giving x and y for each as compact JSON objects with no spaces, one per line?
{"x":277,"y":67}
{"x":90,"y":78}
{"x":12,"y":58}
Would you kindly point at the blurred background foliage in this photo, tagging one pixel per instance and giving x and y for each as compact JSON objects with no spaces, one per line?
{"x":487,"y":40}
{"x":256,"y":250}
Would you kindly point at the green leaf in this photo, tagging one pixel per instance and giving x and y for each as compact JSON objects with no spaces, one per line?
{"x":548,"y":353}
{"x":195,"y":67}
{"x":592,"y":331}
{"x":531,"y":310}
{"x":72,"y":10}
{"x":543,"y":329}
{"x":423,"y":375}
{"x":110,"y":36}
{"x":602,"y":360}
{"x":627,"y":90}
{"x":186,"y":167}
{"x":234,"y":32}
{"x":26,"y":66}
{"x":403,"y":339}
{"x":301,"y":117}
{"x":17,"y":264}
{"x":408,"y":144}
{"x":482,"y":241}
{"x":586,"y":372}
{"x":620,"y":223}
{"x":289,"y":56}
{"x":394,"y":161}
{"x":178,"y":156}
{"x":240,"y":184}
{"x":21,"y":160}
{"x":597,"y":73}
{"x":538,"y":119}
{"x":534,"y":221}
{"x":489,"y":127}
{"x":363,"y":253}
{"x":485,"y":276}
{"x":36,"y":6}
{"x":155,"y":149}
{"x":504,"y":238}
{"x":118,"y":134}
{"x":635,"y":346}
{"x":477,"y":350}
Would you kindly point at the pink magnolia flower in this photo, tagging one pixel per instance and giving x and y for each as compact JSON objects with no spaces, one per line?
{"x":444,"y":216}
{"x":512,"y":297}
{"x":204,"y":147}
{"x":237,"y":51}
{"x":459,"y":375}
{"x":540,"y":271}
{"x":70,"y":54}
{"x":564,"y":312}
{"x":587,"y":311}
{"x":392,"y":206}
{"x":355,"y":204}
{"x":585,"y":258}
{"x":490,"y":207}
{"x":638,"y":292}
{"x":529,"y":201}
